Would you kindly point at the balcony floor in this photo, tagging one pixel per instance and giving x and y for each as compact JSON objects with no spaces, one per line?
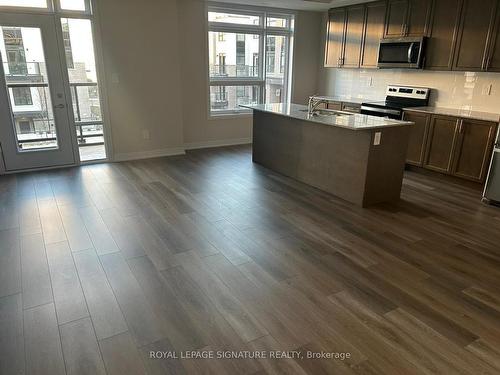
{"x":89,"y":153}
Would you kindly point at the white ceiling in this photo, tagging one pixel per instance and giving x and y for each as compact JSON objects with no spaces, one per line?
{"x":316,"y":5}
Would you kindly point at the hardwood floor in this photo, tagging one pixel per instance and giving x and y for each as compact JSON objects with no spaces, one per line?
{"x":103,"y":264}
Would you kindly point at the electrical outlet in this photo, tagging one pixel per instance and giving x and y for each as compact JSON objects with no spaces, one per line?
{"x":377,"y":139}
{"x":145,"y":134}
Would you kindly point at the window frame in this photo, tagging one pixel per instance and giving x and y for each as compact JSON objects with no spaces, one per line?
{"x":53,"y":7}
{"x":263,"y":31}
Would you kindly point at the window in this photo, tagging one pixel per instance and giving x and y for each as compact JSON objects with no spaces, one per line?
{"x":270,"y":54}
{"x":24,"y":3}
{"x":25,"y":127}
{"x":67,"y":43}
{"x":250,"y":63}
{"x":22,"y":96}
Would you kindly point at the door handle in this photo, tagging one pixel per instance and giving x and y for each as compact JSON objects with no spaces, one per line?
{"x":60,"y":106}
{"x":410,"y":52}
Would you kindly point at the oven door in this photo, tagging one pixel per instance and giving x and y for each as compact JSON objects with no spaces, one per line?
{"x":393,"y":114}
{"x":401,"y":53}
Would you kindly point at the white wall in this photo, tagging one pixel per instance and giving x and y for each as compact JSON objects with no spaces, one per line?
{"x":141,"y":64}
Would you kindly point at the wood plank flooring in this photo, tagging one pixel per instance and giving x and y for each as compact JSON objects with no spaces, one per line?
{"x":102,"y":264}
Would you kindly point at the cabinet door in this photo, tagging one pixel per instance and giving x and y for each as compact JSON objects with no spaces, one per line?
{"x":418,"y":136}
{"x":443,"y":34}
{"x":335,"y":38}
{"x":374,"y":31}
{"x":355,"y":17}
{"x":493,"y":61}
{"x":473,"y":151}
{"x":441,"y":143}
{"x":419,"y":12}
{"x":476,"y":24}
{"x":396,"y":18}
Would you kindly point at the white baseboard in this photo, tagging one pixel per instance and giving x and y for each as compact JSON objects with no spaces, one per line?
{"x":149,"y":154}
{"x":221,"y":143}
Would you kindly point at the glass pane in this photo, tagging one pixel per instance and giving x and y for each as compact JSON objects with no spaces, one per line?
{"x":73,"y":5}
{"x":84,"y":87}
{"x":242,"y":19}
{"x":276,"y":61}
{"x":24,"y":3}
{"x":277,"y":22}
{"x":228,"y":98}
{"x":28,"y":87}
{"x":233,"y":55}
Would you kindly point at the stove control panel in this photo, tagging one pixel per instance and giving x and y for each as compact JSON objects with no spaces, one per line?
{"x":408,"y":92}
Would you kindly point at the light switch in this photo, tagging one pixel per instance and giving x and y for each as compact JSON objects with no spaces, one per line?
{"x":377,"y":138}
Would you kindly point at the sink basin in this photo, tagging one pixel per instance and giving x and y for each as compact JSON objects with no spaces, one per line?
{"x":327,"y":113}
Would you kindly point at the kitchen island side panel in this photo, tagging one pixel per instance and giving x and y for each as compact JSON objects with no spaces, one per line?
{"x":386,"y":165}
{"x":329,"y":158}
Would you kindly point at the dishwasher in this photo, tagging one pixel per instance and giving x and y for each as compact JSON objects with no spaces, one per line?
{"x":492,"y":189}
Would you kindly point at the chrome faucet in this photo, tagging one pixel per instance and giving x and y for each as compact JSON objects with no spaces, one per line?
{"x":314,"y":102}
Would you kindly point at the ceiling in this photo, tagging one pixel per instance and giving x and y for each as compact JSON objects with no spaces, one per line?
{"x":315,"y":5}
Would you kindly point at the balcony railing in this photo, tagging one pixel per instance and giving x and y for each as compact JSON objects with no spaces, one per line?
{"x":86,"y":108}
{"x":21,"y":72}
{"x":234,"y":71}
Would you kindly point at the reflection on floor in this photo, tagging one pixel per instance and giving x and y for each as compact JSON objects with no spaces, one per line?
{"x":89,"y":153}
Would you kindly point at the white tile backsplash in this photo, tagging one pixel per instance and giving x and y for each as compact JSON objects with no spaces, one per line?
{"x":462,"y":90}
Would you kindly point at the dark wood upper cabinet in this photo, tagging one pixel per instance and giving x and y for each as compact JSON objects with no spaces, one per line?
{"x":355,"y":18}
{"x":441,"y":143}
{"x":443,"y":34}
{"x":335,"y":37}
{"x":493,"y":61}
{"x":418,"y":137}
{"x":407,"y":18}
{"x":373,"y":32}
{"x":419,"y":12}
{"x":473,"y":150}
{"x":396,"y":18}
{"x":475,"y":33}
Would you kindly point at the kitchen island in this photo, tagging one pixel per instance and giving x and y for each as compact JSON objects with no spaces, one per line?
{"x":358,"y":158}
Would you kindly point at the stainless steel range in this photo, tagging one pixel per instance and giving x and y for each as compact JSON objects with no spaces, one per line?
{"x":397,"y":98}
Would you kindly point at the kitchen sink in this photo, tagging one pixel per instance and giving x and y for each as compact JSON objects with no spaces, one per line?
{"x":327,"y":113}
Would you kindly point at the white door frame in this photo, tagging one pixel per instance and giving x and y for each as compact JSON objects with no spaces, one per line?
{"x":92,"y":13}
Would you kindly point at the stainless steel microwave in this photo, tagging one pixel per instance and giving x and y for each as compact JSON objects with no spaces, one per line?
{"x":401,"y":53}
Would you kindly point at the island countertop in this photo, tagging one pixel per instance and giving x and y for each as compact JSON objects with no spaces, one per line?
{"x":349,"y":121}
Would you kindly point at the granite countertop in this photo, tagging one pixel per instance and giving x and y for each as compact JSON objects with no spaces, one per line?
{"x":349,"y":121}
{"x":463,"y":113}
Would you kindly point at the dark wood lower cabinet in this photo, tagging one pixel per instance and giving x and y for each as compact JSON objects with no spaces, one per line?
{"x":440,"y":143}
{"x":473,"y":151}
{"x":418,"y":137}
{"x":451,"y":145}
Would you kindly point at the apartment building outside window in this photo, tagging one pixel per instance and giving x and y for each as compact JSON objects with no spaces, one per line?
{"x":251,"y":64}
